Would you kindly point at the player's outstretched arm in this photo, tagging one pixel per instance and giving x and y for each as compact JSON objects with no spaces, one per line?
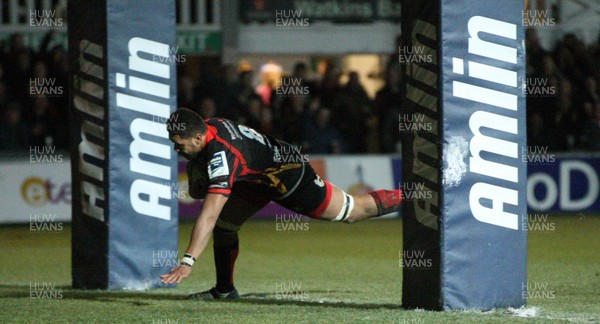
{"x":213,"y":204}
{"x":211,"y":209}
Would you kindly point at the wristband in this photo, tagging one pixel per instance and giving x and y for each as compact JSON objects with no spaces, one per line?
{"x":184,"y":263}
{"x":189,"y":256}
{"x":188,"y":260}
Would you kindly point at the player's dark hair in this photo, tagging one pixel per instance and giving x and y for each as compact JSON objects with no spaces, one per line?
{"x":186,"y":123}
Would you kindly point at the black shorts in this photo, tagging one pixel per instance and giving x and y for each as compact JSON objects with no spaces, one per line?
{"x":294,"y":186}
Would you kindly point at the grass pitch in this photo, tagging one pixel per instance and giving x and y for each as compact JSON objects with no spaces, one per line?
{"x":319,"y":273}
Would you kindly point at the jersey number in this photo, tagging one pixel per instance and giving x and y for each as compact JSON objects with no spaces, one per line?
{"x":252,"y":134}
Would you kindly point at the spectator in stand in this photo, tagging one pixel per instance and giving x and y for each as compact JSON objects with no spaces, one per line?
{"x":351,"y":113}
{"x":207,"y":108}
{"x":330,"y":86}
{"x":575,"y":64}
{"x":566,"y":63}
{"x":44,"y":96}
{"x":266,"y":123}
{"x":252,"y":113}
{"x":581,"y":57}
{"x":539,"y":134}
{"x":591,"y":86}
{"x":216,"y":81}
{"x":387,"y":106}
{"x":535,"y":52}
{"x":591,"y":128}
{"x":225,"y":101}
{"x":58,"y":69}
{"x":270,"y":76}
{"x":41,"y":84}
{"x":44,"y":122}
{"x":4,"y":98}
{"x":595,"y":56}
{"x":14,"y":131}
{"x":18,"y":76}
{"x":320,"y":137}
{"x":543,"y":105}
{"x":301,"y":73}
{"x":244,"y":93}
{"x":4,"y":95}
{"x":560,"y":119}
{"x":290,"y":120}
{"x":58,"y":64}
{"x":186,"y":91}
{"x":16,"y":47}
{"x":297,"y":83}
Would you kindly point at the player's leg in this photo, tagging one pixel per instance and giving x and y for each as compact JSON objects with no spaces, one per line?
{"x":240,"y":206}
{"x":320,"y":199}
{"x":354,"y":208}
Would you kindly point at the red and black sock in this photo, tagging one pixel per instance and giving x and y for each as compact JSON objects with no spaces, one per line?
{"x":387,"y":201}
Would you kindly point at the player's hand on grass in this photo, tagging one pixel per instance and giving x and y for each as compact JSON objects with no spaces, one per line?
{"x":176,"y":274}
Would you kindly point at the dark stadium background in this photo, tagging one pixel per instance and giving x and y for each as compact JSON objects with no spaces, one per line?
{"x":308,"y":81}
{"x":359,"y":90}
{"x":325,"y":82}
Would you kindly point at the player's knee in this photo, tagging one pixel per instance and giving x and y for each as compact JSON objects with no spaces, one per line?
{"x":346,"y":210}
{"x":224,"y":237}
{"x":357,"y":210}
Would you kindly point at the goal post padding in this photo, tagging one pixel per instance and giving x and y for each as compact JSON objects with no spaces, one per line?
{"x":124,"y":169}
{"x":464,"y":134}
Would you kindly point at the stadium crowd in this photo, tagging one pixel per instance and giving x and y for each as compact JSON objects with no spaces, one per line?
{"x":563,"y":94}
{"x":34,"y":112}
{"x":321,"y":116}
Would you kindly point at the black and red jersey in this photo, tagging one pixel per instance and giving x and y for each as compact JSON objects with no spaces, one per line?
{"x":235,"y":152}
